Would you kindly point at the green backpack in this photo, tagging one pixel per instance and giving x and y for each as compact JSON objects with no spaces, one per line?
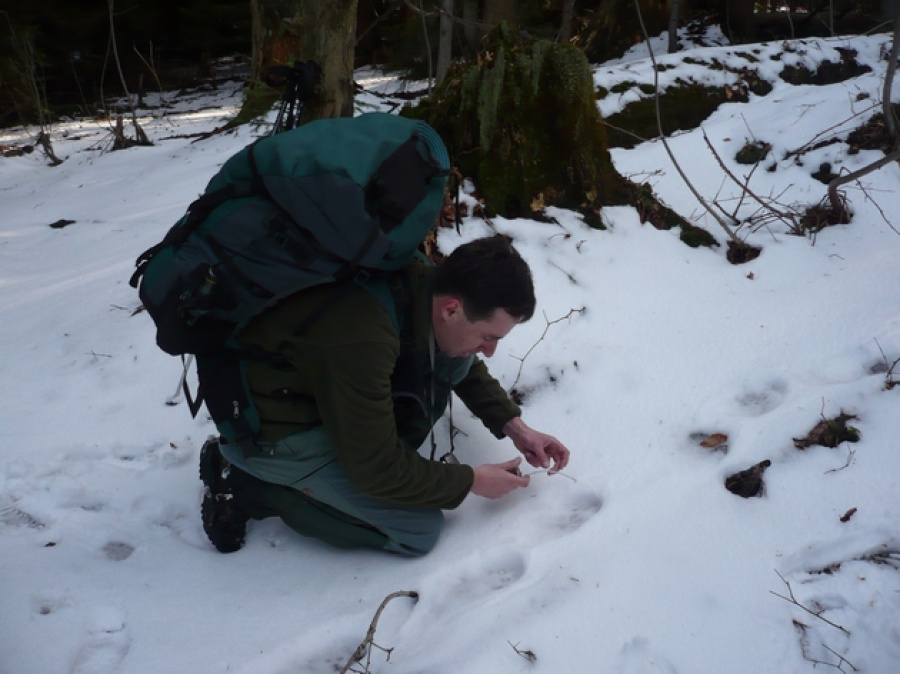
{"x":332,"y":200}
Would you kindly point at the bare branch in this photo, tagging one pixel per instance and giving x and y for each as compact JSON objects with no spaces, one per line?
{"x":787,"y":218}
{"x":808,"y":145}
{"x":836,"y":202}
{"x":365,"y":648}
{"x":890,"y":121}
{"x":840,"y":658}
{"x":140,"y":136}
{"x":439,"y":11}
{"x":889,"y":382}
{"x":850,"y":456}
{"x":662,"y":136}
{"x":528,"y":655}
{"x":793,"y":600}
{"x":541,"y":338}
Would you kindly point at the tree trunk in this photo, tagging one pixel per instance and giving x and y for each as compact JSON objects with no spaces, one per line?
{"x":890,"y":122}
{"x":566,"y":21}
{"x":324,"y":31}
{"x":737,"y":16}
{"x":445,"y":41}
{"x":673,"y":26}
{"x":470,"y":31}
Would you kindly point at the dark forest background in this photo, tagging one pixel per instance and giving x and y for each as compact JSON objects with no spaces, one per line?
{"x":63,"y":48}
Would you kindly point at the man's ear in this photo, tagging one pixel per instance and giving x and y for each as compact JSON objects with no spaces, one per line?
{"x":450,"y":307}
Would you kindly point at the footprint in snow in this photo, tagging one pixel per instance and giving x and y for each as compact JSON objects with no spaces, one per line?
{"x":107,"y":645}
{"x":471,"y":579}
{"x":760,"y":400}
{"x":580,"y":506}
{"x":638,"y":658}
{"x":12,"y":516}
{"x":117,"y":551}
{"x":563,"y":508}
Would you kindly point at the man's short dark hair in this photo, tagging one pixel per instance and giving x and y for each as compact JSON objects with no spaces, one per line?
{"x":487,"y":274}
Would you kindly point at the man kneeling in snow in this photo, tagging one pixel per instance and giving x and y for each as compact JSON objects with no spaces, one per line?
{"x":351,"y":399}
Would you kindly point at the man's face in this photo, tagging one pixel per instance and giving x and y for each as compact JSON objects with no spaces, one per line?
{"x":457,"y":336}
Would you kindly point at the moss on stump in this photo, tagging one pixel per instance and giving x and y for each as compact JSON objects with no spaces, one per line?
{"x":523,"y":124}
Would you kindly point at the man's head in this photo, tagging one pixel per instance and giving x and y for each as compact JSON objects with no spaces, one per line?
{"x":480,"y":293}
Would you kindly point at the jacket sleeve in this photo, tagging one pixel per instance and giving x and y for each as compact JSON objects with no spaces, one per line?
{"x":486,"y":399}
{"x":352,"y":388}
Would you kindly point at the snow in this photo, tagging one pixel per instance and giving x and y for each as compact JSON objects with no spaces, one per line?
{"x":637,"y":560}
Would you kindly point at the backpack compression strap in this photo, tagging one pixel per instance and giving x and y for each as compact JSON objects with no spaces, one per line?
{"x":197,"y":212}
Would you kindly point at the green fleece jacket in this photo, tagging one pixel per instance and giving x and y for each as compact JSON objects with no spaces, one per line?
{"x":338,"y":373}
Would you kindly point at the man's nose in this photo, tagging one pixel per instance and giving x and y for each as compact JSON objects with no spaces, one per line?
{"x":488,"y":348}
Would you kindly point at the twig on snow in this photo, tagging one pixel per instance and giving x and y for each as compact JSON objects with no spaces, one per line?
{"x":541,"y":339}
{"x":788,"y":218}
{"x":528,"y":655}
{"x":791,"y":599}
{"x":364,"y":650}
{"x":662,"y":137}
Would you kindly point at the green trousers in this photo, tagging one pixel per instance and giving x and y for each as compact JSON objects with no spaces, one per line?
{"x":300,"y":480}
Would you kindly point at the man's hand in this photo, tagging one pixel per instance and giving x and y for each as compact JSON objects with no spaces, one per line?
{"x":493,"y":480}
{"x":539,"y":449}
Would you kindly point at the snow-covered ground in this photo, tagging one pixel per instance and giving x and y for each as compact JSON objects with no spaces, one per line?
{"x":637,"y":560}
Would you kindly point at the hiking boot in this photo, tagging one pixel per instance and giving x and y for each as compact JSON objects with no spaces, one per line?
{"x":223,"y":520}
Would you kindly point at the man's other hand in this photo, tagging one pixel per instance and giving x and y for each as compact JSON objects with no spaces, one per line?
{"x":494,"y":480}
{"x":539,"y":449}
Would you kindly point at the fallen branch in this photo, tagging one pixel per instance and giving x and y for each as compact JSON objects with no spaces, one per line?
{"x":528,"y":655}
{"x":889,"y":381}
{"x":793,"y":600}
{"x":787,"y":218}
{"x":890,"y":121}
{"x":662,"y":136}
{"x":809,"y":145}
{"x":364,"y":650}
{"x":846,"y":464}
{"x":541,"y":339}
{"x":837,"y":204}
{"x":841,"y":659}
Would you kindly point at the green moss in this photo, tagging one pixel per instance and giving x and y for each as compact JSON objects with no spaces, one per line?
{"x":258,"y":101}
{"x":824,"y":175}
{"x":697,"y":236}
{"x":651,"y":210}
{"x":827,"y":72}
{"x":523,"y":123}
{"x":752,"y":152}
{"x":622,"y":87}
{"x":592,"y":219}
{"x":683,"y":107}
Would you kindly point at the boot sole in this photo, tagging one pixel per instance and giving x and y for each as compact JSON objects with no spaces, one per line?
{"x":224,"y":540}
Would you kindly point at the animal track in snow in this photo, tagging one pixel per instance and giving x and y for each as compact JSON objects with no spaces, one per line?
{"x":471,"y":579}
{"x":581,"y":505}
{"x":494,"y":570}
{"x":166,"y":455}
{"x":117,"y":551}
{"x":45,"y":603}
{"x":638,"y":658}
{"x":757,"y":401}
{"x":565,"y":506}
{"x":107,"y":645}
{"x":11,"y":515}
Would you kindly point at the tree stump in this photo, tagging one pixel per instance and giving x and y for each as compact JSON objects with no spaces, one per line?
{"x":523,"y":124}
